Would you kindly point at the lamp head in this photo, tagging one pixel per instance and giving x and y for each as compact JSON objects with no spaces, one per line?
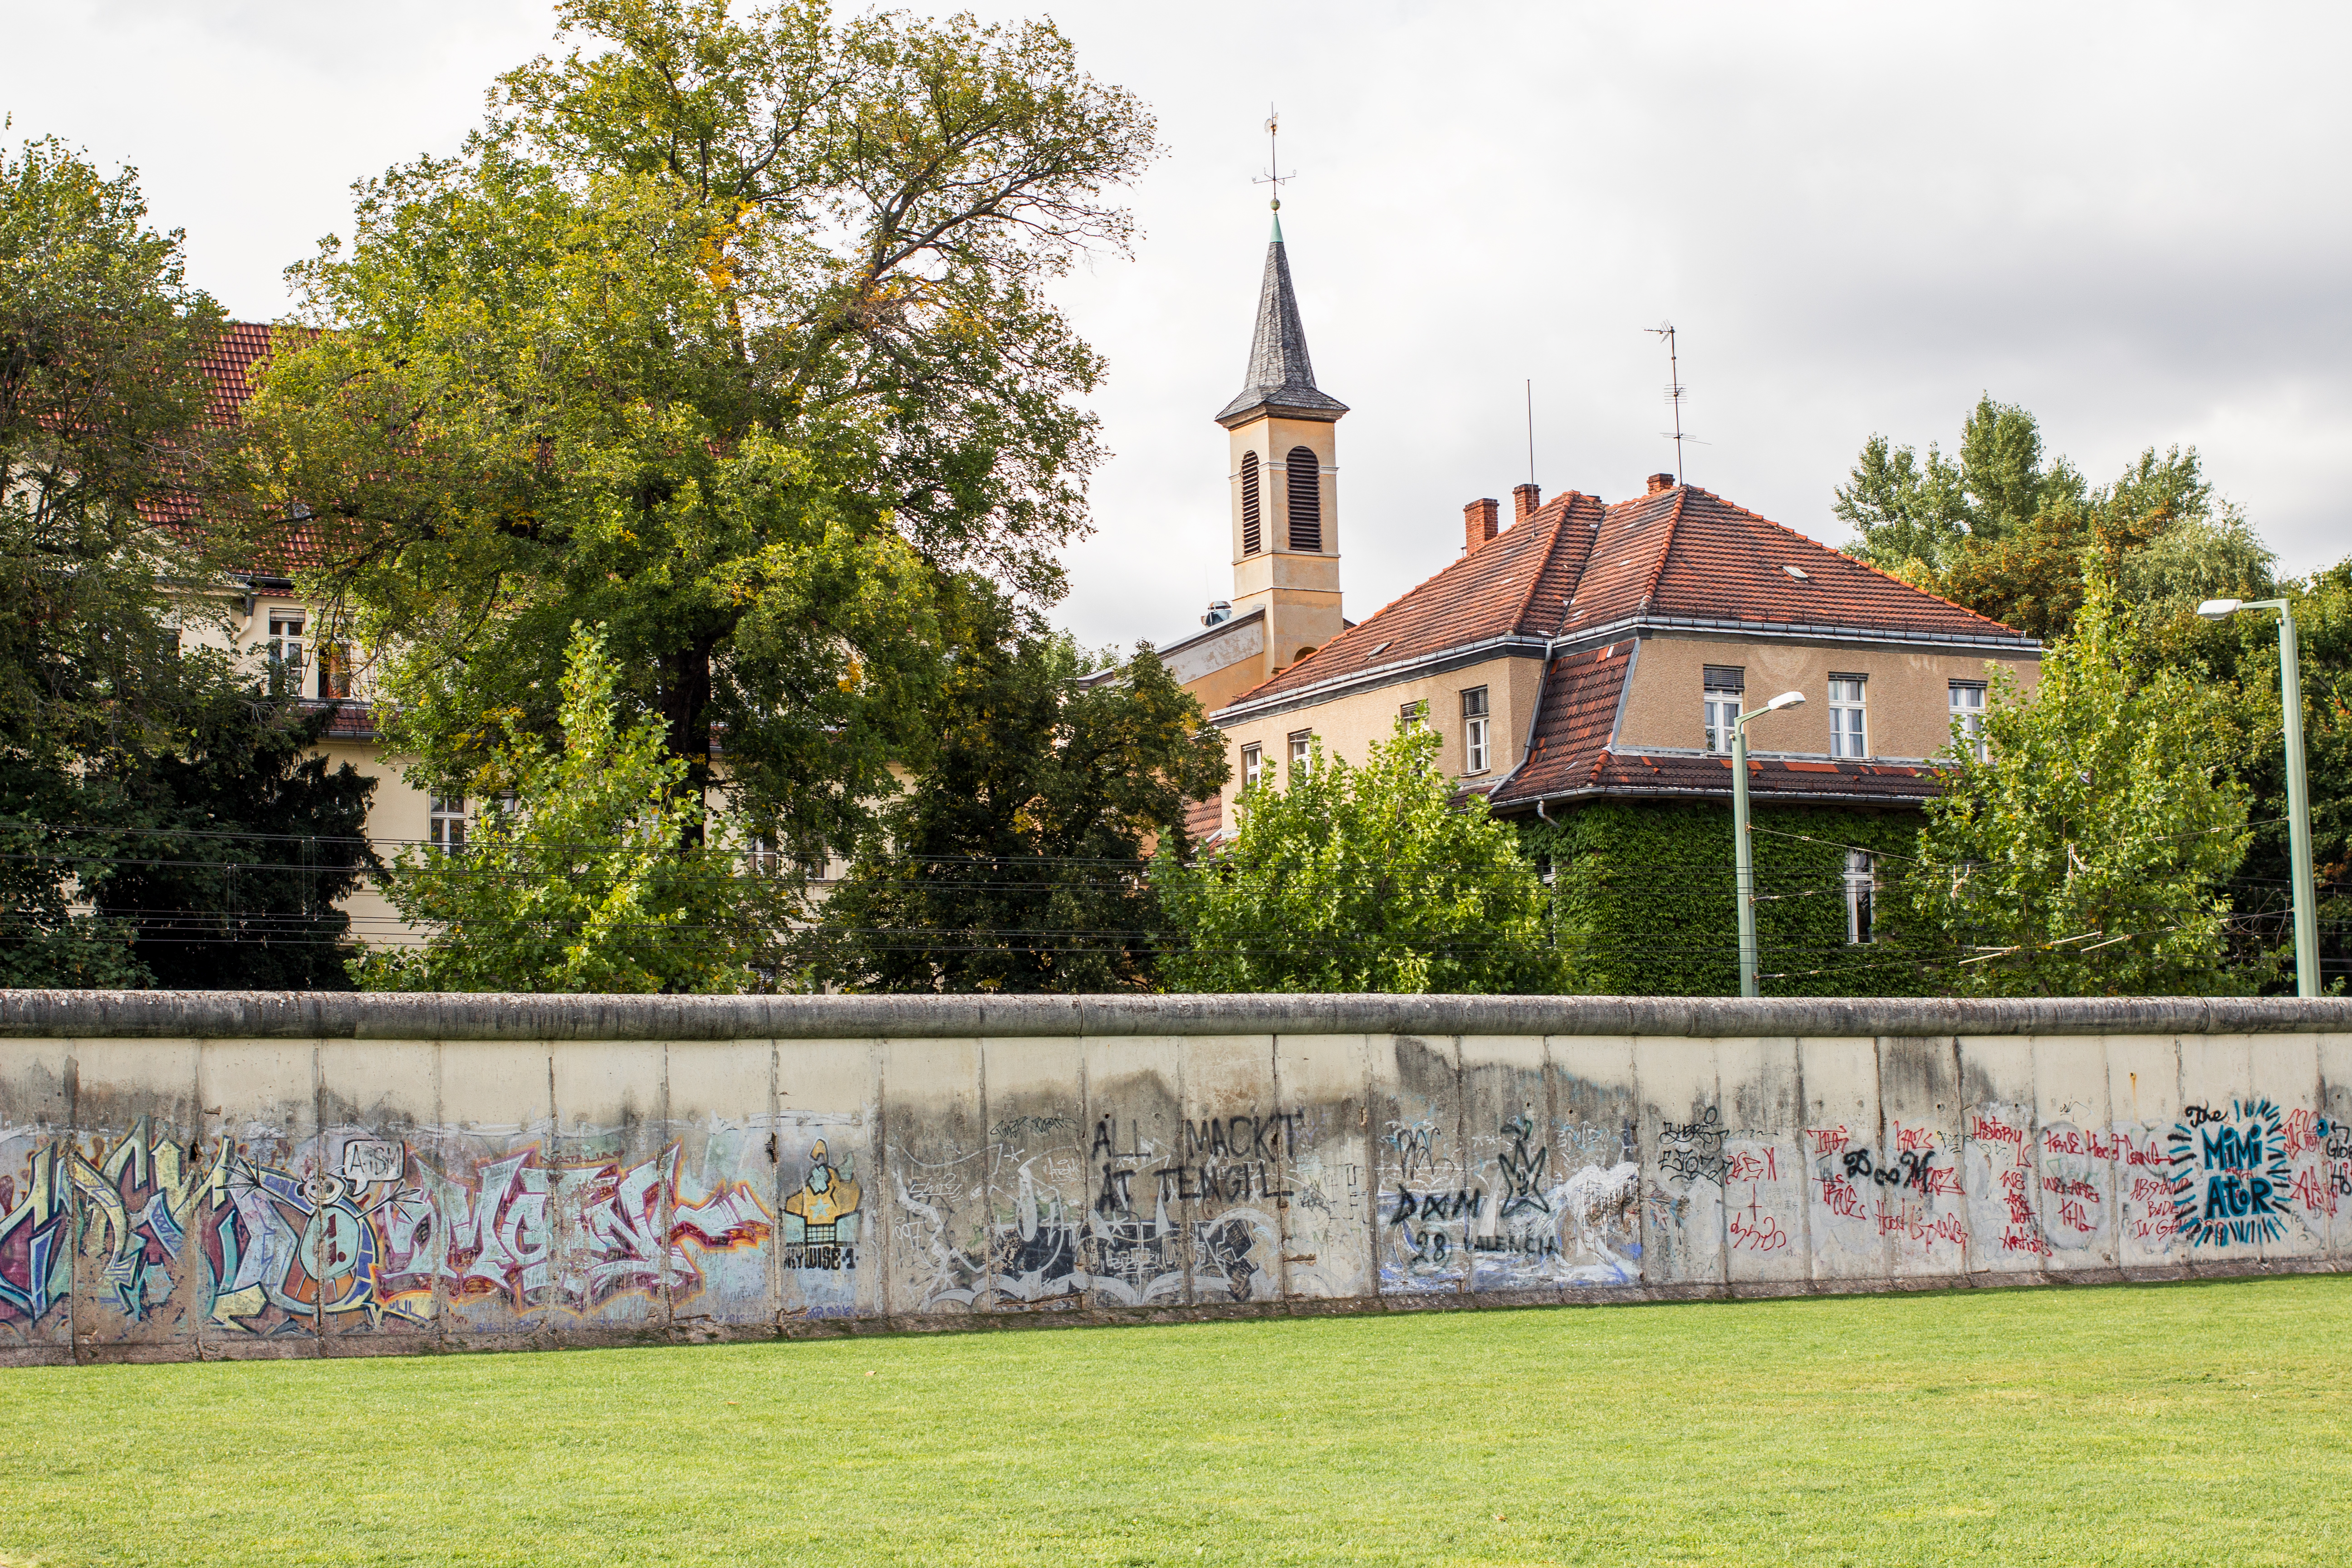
{"x":2215,"y":609}
{"x":1786,"y":700}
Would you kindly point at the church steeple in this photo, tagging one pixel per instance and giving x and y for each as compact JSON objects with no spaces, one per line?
{"x":1282,"y":435}
{"x":1281,"y":378}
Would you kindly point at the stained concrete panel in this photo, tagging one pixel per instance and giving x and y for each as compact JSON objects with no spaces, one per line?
{"x":1325,"y":1167}
{"x":1231,"y":1172}
{"x":2286,"y":1073}
{"x":1422,"y":1167}
{"x":2074,"y":1153}
{"x":2335,"y":1055}
{"x":1764,"y":1202}
{"x":377,"y":1102}
{"x":2143,"y":1104}
{"x":1845,"y":1153}
{"x":36,"y":1201}
{"x":278,"y":1240}
{"x":1683,"y":1134}
{"x":1919,"y":1105}
{"x":487,"y":1174}
{"x":2227,"y":1168}
{"x":1519,"y":1200}
{"x":835,"y":1202}
{"x":1596,"y":1144}
{"x":935,"y":1158}
{"x":1998,"y":1138}
{"x":1037,"y":1189}
{"x":1138,"y":1251}
{"x":719,"y":1118}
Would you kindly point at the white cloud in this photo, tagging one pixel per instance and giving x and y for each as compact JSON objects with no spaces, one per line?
{"x":2124,"y":218}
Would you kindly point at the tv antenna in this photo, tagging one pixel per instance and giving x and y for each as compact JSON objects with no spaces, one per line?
{"x":1273,"y":175}
{"x":1675,"y":391}
{"x":1531,"y":430}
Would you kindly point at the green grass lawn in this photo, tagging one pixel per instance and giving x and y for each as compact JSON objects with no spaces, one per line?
{"x":2182,"y":1424}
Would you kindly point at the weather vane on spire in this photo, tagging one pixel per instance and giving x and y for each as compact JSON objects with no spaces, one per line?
{"x":1273,"y":175}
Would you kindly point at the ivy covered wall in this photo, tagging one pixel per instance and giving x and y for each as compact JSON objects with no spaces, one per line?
{"x":1642,"y":894}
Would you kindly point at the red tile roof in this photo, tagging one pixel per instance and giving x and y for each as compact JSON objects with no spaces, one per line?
{"x":1573,"y":723}
{"x":1679,"y":555}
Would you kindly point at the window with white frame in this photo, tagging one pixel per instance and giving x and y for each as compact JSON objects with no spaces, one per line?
{"x":1474,"y":720}
{"x":444,"y":822}
{"x":1302,"y":752}
{"x":1253,"y":767}
{"x":1849,"y":736}
{"x":1721,"y":689}
{"x":1860,"y":884}
{"x":1967,"y":716}
{"x":1413,"y":715}
{"x":285,"y":648}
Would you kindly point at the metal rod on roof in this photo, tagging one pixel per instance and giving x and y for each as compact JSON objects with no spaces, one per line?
{"x":1531,"y":430}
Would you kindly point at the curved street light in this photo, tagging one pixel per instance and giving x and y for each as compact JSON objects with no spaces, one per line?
{"x":1740,"y":837}
{"x":2298,"y":802}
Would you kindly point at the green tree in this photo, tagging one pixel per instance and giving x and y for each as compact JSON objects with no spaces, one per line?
{"x":2013,"y":533}
{"x":575,"y":879}
{"x":147,"y":795}
{"x":1014,"y":860}
{"x":1362,"y":878}
{"x":2087,"y":854}
{"x":726,"y":335}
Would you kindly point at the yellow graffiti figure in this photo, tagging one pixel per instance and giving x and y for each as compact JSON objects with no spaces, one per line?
{"x":826,"y":1198}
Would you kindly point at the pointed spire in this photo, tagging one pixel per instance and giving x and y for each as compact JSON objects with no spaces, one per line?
{"x":1281,"y":377}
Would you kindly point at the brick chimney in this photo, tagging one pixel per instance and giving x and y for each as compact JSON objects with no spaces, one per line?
{"x":1525,"y":499}
{"x":1480,"y":520}
{"x":1660,"y":482}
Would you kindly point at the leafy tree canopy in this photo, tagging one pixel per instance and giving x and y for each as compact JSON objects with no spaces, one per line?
{"x":2012,"y":533}
{"x":1362,"y":878}
{"x":161,"y":820}
{"x":727,"y":335}
{"x":2085,"y":855}
{"x":575,"y":879}
{"x":1014,"y":861}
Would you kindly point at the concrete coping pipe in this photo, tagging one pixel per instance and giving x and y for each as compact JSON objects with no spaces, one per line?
{"x":288,"y":1014}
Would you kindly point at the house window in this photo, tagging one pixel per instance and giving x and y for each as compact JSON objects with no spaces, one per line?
{"x":444,"y":822}
{"x":335,"y":670}
{"x":1848,"y":737}
{"x":1302,"y":743}
{"x":1474,"y":720}
{"x":1253,"y":767}
{"x":1967,"y":717}
{"x":1250,"y":540}
{"x":1304,"y":486}
{"x":1413,"y":715}
{"x":1861,"y":881}
{"x":1721,"y":689}
{"x":284,"y":649}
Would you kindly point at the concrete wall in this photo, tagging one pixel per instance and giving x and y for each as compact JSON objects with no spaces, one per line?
{"x":253,"y":1174}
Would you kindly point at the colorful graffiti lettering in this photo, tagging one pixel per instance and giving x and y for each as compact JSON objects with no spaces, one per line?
{"x":2232,"y":1178}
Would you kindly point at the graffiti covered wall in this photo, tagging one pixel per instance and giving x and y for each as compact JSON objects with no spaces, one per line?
{"x":211,"y":1194}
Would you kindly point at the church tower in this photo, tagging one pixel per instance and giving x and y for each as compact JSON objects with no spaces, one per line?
{"x":1281,"y":432}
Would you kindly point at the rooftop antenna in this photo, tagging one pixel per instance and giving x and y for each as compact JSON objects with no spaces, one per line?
{"x":1674,"y":390}
{"x":1273,"y":175}
{"x":1531,"y":430}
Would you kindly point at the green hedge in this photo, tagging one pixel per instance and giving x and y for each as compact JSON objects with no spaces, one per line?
{"x":1642,"y":895}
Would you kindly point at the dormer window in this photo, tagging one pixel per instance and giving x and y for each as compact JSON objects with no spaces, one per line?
{"x":1720,"y":689}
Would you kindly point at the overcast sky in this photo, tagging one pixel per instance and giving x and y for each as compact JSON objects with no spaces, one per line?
{"x":2130,"y":219}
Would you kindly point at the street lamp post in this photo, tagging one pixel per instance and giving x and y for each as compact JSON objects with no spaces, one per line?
{"x":1741,"y":836}
{"x":2298,"y":799}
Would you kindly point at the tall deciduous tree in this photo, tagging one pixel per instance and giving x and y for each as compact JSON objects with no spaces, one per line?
{"x":146,"y":794}
{"x":727,"y":335}
{"x":1014,"y":860}
{"x":1362,"y":878}
{"x":2011,"y":532}
{"x":2087,"y":853}
{"x":574,"y":879}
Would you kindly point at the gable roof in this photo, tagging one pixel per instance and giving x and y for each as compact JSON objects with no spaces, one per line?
{"x":1575,"y":568}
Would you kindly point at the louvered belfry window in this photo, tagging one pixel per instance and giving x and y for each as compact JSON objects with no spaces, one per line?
{"x":1250,"y":541}
{"x":1305,"y":484}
